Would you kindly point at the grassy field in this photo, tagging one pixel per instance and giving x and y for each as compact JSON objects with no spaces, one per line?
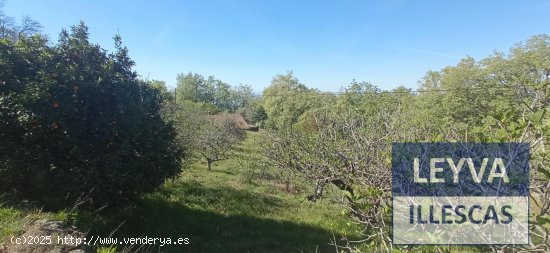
{"x":228,"y":209}
{"x":224,"y":211}
{"x":221,"y":211}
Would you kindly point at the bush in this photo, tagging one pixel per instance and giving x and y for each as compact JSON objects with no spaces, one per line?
{"x":76,"y":122}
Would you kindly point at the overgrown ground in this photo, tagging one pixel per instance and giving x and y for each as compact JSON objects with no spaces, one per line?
{"x":229,"y":209}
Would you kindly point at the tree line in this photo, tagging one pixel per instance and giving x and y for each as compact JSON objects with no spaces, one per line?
{"x":12,"y":30}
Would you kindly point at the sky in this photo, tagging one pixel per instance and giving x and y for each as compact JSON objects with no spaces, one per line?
{"x":326,"y":44}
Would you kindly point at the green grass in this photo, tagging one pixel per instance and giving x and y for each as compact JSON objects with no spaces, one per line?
{"x":14,"y":218}
{"x":228,"y":209}
{"x":10,"y":222}
{"x":222,"y":211}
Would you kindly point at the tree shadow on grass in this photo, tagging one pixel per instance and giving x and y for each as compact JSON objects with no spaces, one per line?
{"x":235,"y":229}
{"x":227,"y":172}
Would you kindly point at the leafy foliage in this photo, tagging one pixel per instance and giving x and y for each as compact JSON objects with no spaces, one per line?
{"x":345,"y":139}
{"x":76,"y":122}
{"x":197,"y":89}
{"x":285,"y":100}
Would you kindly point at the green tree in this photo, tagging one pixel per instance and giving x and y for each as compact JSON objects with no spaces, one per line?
{"x":166,"y":95}
{"x":77,"y":122}
{"x":191,"y":87}
{"x":285,"y":100}
{"x":197,"y":89}
{"x":457,"y":95}
{"x":222,"y":97}
{"x":241,"y":96}
{"x":520,"y":81}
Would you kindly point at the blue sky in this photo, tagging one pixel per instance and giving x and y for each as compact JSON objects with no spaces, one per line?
{"x":325,"y":43}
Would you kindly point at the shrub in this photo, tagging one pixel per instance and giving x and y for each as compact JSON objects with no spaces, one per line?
{"x":76,"y":122}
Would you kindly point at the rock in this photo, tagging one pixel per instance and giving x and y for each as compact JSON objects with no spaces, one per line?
{"x":52,"y":229}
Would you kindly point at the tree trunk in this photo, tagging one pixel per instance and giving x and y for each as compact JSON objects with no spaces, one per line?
{"x":209,"y":164}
